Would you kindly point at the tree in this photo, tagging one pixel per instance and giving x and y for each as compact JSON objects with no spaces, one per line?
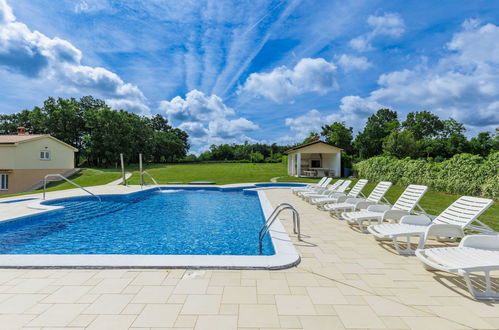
{"x":160,"y":123}
{"x":339,"y":135}
{"x":369,"y":142}
{"x":313,"y":136}
{"x":423,"y":124}
{"x":482,"y":144}
{"x":256,"y":157}
{"x":401,"y":144}
{"x":452,"y":126}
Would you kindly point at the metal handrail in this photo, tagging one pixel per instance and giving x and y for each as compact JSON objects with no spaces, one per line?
{"x":64,"y":178}
{"x":145,"y":172}
{"x":273,"y":216}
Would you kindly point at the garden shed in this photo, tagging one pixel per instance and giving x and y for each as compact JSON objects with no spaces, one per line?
{"x":314,"y":159}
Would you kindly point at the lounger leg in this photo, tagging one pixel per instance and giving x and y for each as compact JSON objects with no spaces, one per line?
{"x":488,"y":294}
{"x":407,"y":250}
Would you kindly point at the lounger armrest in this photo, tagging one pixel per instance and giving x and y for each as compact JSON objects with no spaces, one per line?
{"x":394,"y":214}
{"x":445,"y":230}
{"x":352,"y":200}
{"x":488,"y":242}
{"x":379,"y":208}
{"x":363,"y":205}
{"x":341,"y":199}
{"x":419,"y":220}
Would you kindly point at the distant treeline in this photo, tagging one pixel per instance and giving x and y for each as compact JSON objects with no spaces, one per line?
{"x":101,"y":133}
{"x":421,"y":135}
{"x":251,"y":153}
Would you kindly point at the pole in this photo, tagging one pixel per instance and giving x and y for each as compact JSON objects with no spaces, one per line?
{"x":140,"y":170}
{"x":123,"y":169}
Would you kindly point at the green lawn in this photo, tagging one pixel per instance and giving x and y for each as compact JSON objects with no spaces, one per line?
{"x":221,"y":173}
{"x":85,"y":178}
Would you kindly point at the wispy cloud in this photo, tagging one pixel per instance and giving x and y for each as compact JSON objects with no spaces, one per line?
{"x":389,"y":24}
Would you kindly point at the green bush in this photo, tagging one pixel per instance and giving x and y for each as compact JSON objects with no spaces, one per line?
{"x":462,"y":174}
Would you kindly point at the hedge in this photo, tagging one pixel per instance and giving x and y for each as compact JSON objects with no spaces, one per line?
{"x":462,"y":174}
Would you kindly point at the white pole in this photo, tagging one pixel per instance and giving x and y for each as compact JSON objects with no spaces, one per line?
{"x":123,"y":169}
{"x":140,"y":169}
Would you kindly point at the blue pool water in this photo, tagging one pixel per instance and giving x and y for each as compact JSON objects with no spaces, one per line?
{"x":192,"y":222}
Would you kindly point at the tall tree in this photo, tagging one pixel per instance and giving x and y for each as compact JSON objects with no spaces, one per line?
{"x":339,"y":135}
{"x":369,"y":142}
{"x":401,"y":144}
{"x":423,"y":124}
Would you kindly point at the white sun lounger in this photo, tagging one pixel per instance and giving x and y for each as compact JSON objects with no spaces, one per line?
{"x":450,"y":223}
{"x":316,"y":190}
{"x":404,"y":205}
{"x":339,"y":197}
{"x":340,"y":190}
{"x":475,"y":253}
{"x":309,"y":186}
{"x":354,"y":204}
{"x":322,"y":191}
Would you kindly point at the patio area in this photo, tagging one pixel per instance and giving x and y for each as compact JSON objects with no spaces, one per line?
{"x":345,"y":280}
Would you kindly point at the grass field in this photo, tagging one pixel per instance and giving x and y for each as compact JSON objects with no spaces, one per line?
{"x":221,"y":173}
{"x":225,"y":173}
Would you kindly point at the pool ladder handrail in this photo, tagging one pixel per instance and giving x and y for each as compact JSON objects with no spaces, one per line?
{"x":150,"y":176}
{"x":273,"y":216}
{"x":66,"y":179}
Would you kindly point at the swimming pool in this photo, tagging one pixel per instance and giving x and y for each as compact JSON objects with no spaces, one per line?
{"x":206,"y":227}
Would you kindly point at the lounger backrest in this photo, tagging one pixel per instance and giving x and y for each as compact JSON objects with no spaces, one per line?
{"x":335,"y":185}
{"x":463,"y":211}
{"x":343,"y":186}
{"x":410,"y":198}
{"x":321,"y":182}
{"x":355,"y":191}
{"x":379,"y":192}
{"x":326,"y":182}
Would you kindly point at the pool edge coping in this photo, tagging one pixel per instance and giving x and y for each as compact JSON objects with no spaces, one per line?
{"x":286,"y":255}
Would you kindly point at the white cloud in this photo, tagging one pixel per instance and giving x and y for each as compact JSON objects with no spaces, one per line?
{"x":91,"y":6}
{"x":35,"y":55}
{"x":464,"y":84}
{"x":283,"y":84}
{"x":207,"y":119}
{"x":390,"y":25}
{"x":231,"y":128}
{"x":196,"y":106}
{"x":348,"y":62}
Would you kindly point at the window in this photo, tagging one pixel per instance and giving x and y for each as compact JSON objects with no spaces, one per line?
{"x":4,"y":182}
{"x":45,"y":155}
{"x":316,"y":163}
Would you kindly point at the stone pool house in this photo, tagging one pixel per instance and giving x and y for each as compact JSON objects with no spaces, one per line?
{"x":26,"y":158}
{"x":314,"y":159}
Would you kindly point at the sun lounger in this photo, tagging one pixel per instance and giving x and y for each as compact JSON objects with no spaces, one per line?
{"x":324,"y":190}
{"x":404,"y":205}
{"x":339,"y":197}
{"x":309,"y":186}
{"x":354,"y":204}
{"x":475,"y":253}
{"x":450,"y":223}
{"x":316,"y":189}
{"x":337,"y":188}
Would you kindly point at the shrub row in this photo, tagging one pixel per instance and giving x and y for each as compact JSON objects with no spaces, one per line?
{"x":463,"y":174}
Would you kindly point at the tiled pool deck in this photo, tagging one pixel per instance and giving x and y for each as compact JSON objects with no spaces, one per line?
{"x":345,"y":280}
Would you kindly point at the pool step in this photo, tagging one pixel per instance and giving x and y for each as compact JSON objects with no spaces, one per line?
{"x":84,"y":210}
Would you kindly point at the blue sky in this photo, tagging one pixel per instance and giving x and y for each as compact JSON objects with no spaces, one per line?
{"x":268,"y":71}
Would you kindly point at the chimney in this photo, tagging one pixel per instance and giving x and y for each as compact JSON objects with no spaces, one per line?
{"x":21,"y":131}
